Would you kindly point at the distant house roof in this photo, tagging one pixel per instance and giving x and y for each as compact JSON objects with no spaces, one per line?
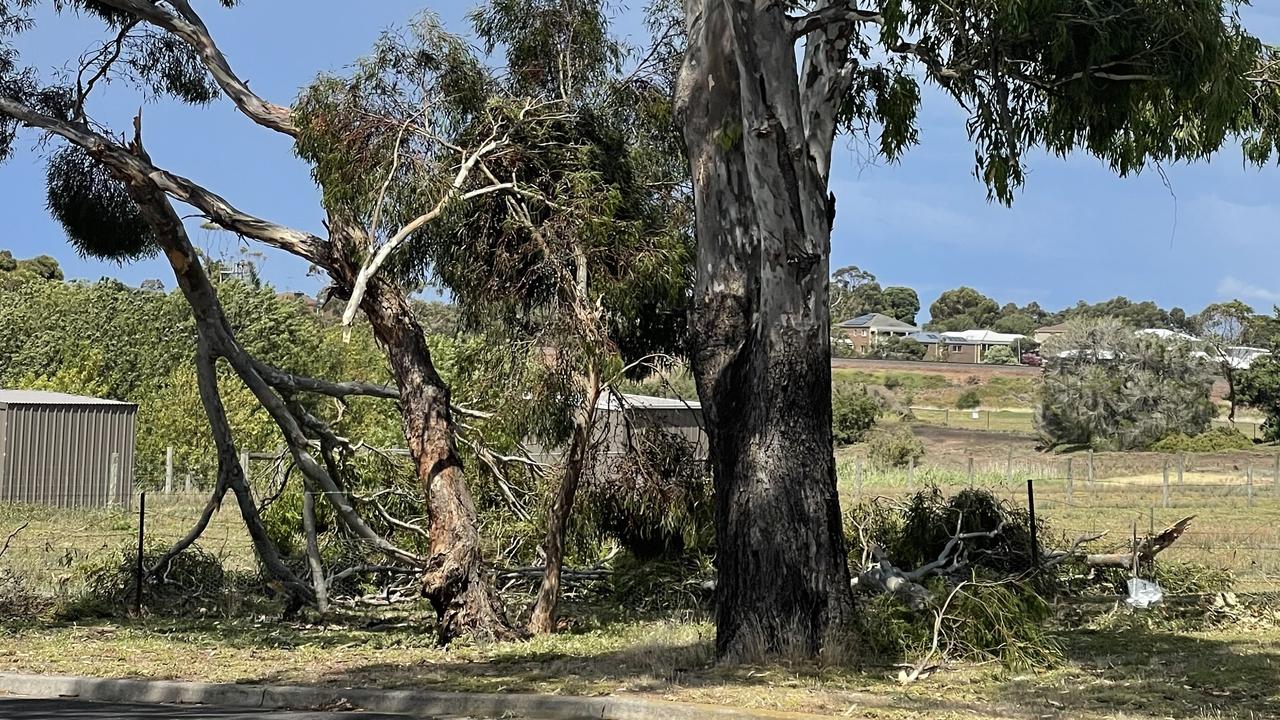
{"x":877,"y":321}
{"x":40,"y":397}
{"x":1052,"y":329}
{"x":609,"y":401}
{"x":981,"y":337}
{"x":1164,"y":334}
{"x":926,"y":337}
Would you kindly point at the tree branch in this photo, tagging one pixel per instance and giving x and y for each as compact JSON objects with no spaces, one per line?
{"x":140,"y":171}
{"x":835,"y":13}
{"x":185,"y":23}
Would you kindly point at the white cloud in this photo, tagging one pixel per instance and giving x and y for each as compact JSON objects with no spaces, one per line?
{"x":1235,"y":288}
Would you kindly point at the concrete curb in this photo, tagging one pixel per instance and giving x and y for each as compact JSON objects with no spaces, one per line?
{"x":407,"y":702}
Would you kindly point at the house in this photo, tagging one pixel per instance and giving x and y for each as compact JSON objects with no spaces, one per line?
{"x":968,"y":346}
{"x":620,"y":425}
{"x":1048,"y":331}
{"x":866,"y":331}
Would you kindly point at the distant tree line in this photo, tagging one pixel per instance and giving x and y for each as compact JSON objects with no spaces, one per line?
{"x":855,"y":292}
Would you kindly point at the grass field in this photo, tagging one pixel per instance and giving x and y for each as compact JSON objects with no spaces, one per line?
{"x":1116,"y":666}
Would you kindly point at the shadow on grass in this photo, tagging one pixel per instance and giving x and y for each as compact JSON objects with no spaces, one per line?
{"x":1157,"y":673}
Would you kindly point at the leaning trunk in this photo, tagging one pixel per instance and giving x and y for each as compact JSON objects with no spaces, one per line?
{"x":460,"y":588}
{"x":543,"y":620}
{"x":761,"y":347}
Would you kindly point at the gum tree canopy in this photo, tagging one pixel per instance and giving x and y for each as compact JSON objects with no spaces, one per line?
{"x":1133,"y":82}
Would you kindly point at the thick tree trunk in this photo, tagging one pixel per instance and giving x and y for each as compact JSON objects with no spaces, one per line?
{"x":543,"y":619}
{"x":761,"y":346}
{"x":456,"y":581}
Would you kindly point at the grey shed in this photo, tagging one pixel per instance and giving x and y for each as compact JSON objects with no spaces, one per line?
{"x":58,"y":449}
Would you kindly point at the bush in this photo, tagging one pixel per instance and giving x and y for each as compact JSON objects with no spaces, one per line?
{"x":898,"y":348}
{"x":194,"y":582}
{"x":655,"y":500}
{"x":853,"y":413}
{"x":895,"y":448}
{"x":969,"y":399}
{"x":1219,"y":439}
{"x":1000,"y":355}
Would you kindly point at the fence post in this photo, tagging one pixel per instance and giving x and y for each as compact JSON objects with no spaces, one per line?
{"x":186,"y":483}
{"x":911,"y":475}
{"x":1182,"y":466}
{"x":113,"y":479}
{"x":1031,"y":515}
{"x":971,"y":471}
{"x":1164,"y":495}
{"x":857,"y":479}
{"x":1275,"y":478}
{"x":168,"y":470}
{"x":1070,"y":483}
{"x":946,"y":417}
{"x":988,"y":419}
{"x":142,"y":534}
{"x":1090,"y":457}
{"x":1008,"y":467}
{"x":1249,"y":484}
{"x":244,"y":467}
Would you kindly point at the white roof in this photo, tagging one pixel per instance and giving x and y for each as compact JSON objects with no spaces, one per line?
{"x":985,"y":336}
{"x":1164,"y":334}
{"x":40,"y":397}
{"x":609,"y":401}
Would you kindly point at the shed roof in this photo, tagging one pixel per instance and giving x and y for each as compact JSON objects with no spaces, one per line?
{"x":40,"y":397}
{"x":609,"y":401}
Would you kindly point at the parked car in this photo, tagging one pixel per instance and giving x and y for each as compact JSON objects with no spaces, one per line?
{"x":1032,"y":358}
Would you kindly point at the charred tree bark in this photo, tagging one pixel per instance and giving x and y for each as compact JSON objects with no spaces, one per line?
{"x":760,"y":325}
{"x":543,"y":619}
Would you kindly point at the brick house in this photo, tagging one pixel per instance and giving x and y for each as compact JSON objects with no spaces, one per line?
{"x":866,"y":331}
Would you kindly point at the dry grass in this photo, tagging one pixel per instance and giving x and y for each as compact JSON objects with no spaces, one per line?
{"x":1132,"y":672}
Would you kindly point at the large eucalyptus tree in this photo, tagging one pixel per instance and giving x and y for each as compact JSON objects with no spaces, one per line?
{"x":1133,"y":82}
{"x":115,"y":201}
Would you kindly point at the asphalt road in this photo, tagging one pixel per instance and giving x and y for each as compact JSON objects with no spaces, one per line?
{"x":28,"y":709}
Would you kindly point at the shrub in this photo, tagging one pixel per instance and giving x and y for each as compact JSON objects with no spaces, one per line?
{"x":969,"y":399}
{"x":655,"y":500}
{"x":1108,"y":388}
{"x":1000,"y":355}
{"x":895,"y":448}
{"x":898,"y":348}
{"x":853,"y":413}
{"x":1214,"y":440}
{"x":194,"y":582}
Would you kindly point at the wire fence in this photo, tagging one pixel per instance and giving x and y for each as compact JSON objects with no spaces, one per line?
{"x":1236,"y":504}
{"x":1024,"y":421}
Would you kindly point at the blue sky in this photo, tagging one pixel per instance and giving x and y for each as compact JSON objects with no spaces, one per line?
{"x":1075,"y":232}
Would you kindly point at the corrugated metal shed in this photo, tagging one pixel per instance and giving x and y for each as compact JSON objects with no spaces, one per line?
{"x":66,"y":450}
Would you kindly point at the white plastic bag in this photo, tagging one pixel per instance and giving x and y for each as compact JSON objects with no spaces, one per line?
{"x":1143,"y":594}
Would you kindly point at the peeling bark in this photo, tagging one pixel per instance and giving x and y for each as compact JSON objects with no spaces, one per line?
{"x":760,"y":325}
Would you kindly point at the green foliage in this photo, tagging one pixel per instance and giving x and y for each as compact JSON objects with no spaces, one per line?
{"x":962,"y":309}
{"x":894,"y":448}
{"x":984,"y":614}
{"x":1106,"y":387}
{"x":1259,"y":387}
{"x":1133,"y":83}
{"x":95,"y":209}
{"x":969,"y":399}
{"x":855,"y":292}
{"x":1000,"y":355}
{"x":193,"y":583}
{"x":898,"y":348}
{"x":854,"y":413}
{"x":1218,"y":439}
{"x":655,"y":500}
